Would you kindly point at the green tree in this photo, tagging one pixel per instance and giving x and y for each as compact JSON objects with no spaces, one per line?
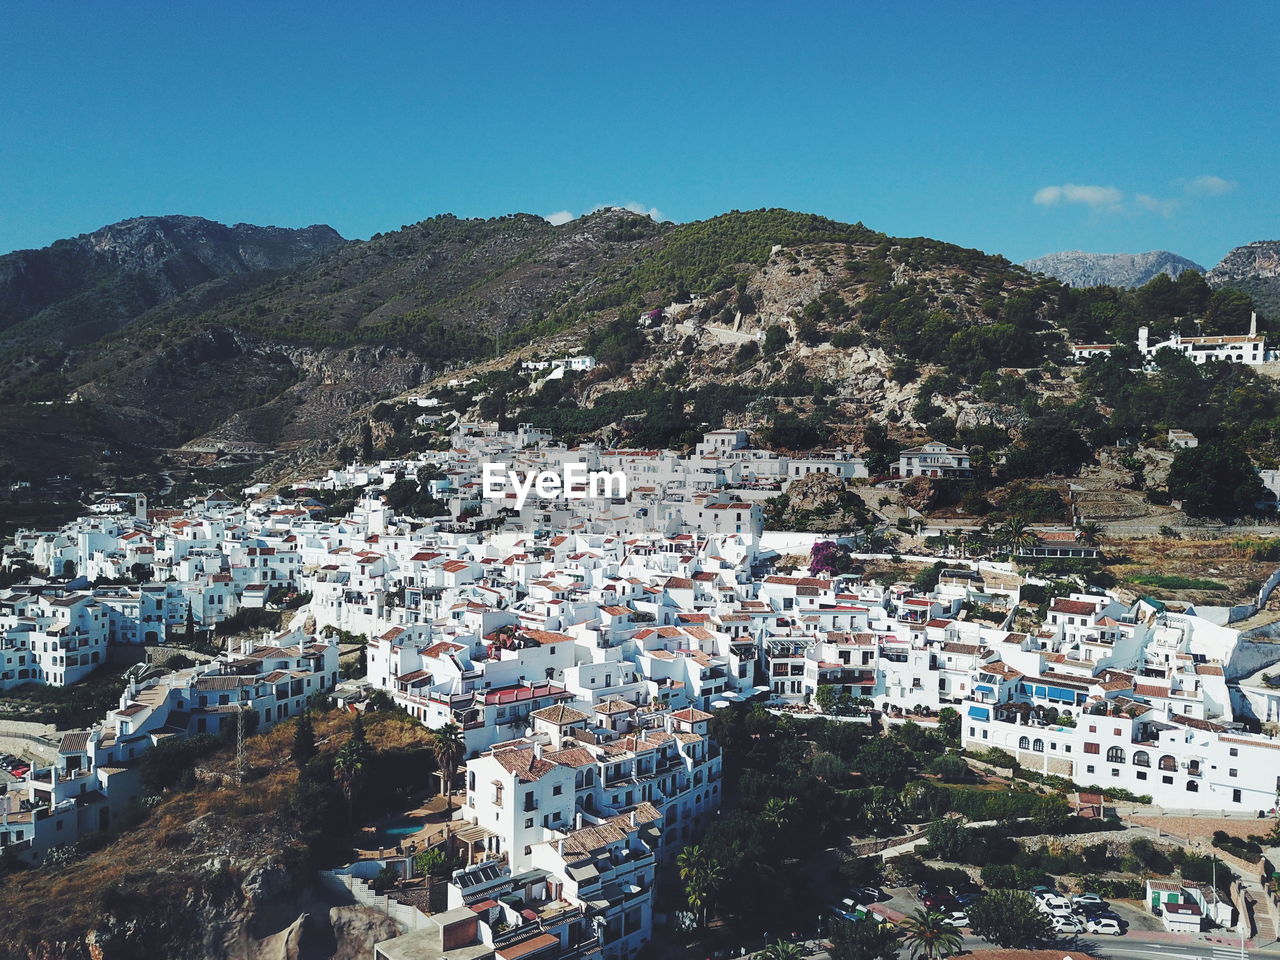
{"x":948,"y":838}
{"x":351,"y":765}
{"x":949,"y":722}
{"x":448,"y":747}
{"x":884,"y":762}
{"x":304,"y":741}
{"x":825,"y":699}
{"x":775,"y":339}
{"x":926,"y":935}
{"x":1051,"y":813}
{"x":1215,"y":479}
{"x":702,"y":878}
{"x":863,"y":939}
{"x":1009,"y":919}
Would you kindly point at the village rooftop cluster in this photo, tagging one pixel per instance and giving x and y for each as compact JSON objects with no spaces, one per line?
{"x":582,"y":646}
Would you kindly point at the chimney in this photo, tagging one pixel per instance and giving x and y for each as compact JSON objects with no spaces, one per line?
{"x":1253,"y":324}
{"x":1143,"y":333}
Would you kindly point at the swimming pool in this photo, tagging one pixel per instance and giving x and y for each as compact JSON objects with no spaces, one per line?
{"x":399,"y":831}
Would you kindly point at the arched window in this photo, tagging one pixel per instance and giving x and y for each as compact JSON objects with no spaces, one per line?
{"x":1168,"y":763}
{"x":1115,"y":755}
{"x":1038,"y":746}
{"x":1024,"y":743}
{"x":1141,"y":758}
{"x":1193,"y":787}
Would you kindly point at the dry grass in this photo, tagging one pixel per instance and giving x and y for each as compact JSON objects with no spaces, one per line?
{"x":188,"y":857}
{"x":1217,"y":560}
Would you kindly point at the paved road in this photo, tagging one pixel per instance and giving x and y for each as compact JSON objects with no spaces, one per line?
{"x":1125,"y":948}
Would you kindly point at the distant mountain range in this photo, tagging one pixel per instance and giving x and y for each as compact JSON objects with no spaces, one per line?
{"x":1081,"y":269}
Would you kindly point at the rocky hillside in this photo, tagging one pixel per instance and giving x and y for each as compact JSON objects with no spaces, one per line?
{"x":1080,"y":269}
{"x":811,"y":331}
{"x":69,"y":295}
{"x":1253,"y":269}
{"x":212,"y":870}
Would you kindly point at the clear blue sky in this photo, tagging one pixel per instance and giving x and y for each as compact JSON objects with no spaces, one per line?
{"x":1137,"y":125}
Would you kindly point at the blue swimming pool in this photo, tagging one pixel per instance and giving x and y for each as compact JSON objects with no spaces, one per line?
{"x":399,"y":831}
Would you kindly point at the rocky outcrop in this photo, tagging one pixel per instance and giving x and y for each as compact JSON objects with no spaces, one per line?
{"x":1081,"y":269}
{"x":145,"y":261}
{"x":1253,"y":269}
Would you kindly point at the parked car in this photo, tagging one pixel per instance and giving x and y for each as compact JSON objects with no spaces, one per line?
{"x":941,"y":903}
{"x":867,"y":894}
{"x":1068,"y":925}
{"x":970,"y":897}
{"x":957,"y":918}
{"x":1055,"y":905}
{"x":1040,"y":890}
{"x":1103,"y":925}
{"x":1106,"y":915}
{"x":1088,"y":900}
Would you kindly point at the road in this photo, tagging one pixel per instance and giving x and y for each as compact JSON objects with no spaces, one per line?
{"x":1124,"y":948}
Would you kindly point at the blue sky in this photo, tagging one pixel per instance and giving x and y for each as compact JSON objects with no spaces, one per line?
{"x":1018,"y":128}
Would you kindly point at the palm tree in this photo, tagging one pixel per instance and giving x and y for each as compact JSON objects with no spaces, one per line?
{"x":1015,"y":535}
{"x":448,"y":746}
{"x":1090,"y":533}
{"x":351,"y":765}
{"x":777,"y":812}
{"x":702,"y":878}
{"x":781,"y":950}
{"x":927,"y":935}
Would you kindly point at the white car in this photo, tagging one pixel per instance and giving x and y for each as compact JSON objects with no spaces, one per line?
{"x":1105,"y":926}
{"x":957,"y":918}
{"x":1067,"y":924}
{"x":1055,"y":905}
{"x":1088,"y":900}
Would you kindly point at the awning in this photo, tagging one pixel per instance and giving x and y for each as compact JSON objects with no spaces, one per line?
{"x":983,"y":688}
{"x":979,"y":713}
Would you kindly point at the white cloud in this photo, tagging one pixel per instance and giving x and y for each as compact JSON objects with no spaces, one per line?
{"x":559,"y":217}
{"x":1208,"y":186}
{"x":1086,"y":194}
{"x":652,"y":213}
{"x":1145,"y":201}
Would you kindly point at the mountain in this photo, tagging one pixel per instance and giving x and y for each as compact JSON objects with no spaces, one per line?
{"x":76,"y":291}
{"x":1079,"y":269}
{"x":808,"y":331}
{"x":1253,"y":269}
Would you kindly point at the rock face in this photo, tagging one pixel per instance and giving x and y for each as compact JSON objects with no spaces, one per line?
{"x":1255,"y":270}
{"x":1081,"y":269}
{"x":145,"y":261}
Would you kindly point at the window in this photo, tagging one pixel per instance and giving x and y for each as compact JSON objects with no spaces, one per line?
{"x":1192,"y":786}
{"x":1232,"y":772}
{"x":1168,"y":780}
{"x":557,"y":790}
{"x":1115,"y":755}
{"x":1235,"y":796}
{"x":528,"y":823}
{"x":1168,"y":763}
{"x":1141,"y":774}
{"x":1141,"y":758}
{"x":1037,"y":746}
{"x":1092,"y":748}
{"x":1024,"y":743}
{"x":1089,"y":768}
{"x":1234,"y":752}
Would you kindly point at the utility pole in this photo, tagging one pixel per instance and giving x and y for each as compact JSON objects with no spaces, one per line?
{"x":240,"y":764}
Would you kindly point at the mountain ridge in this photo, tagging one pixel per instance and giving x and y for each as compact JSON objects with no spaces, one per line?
{"x":1079,"y":268}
